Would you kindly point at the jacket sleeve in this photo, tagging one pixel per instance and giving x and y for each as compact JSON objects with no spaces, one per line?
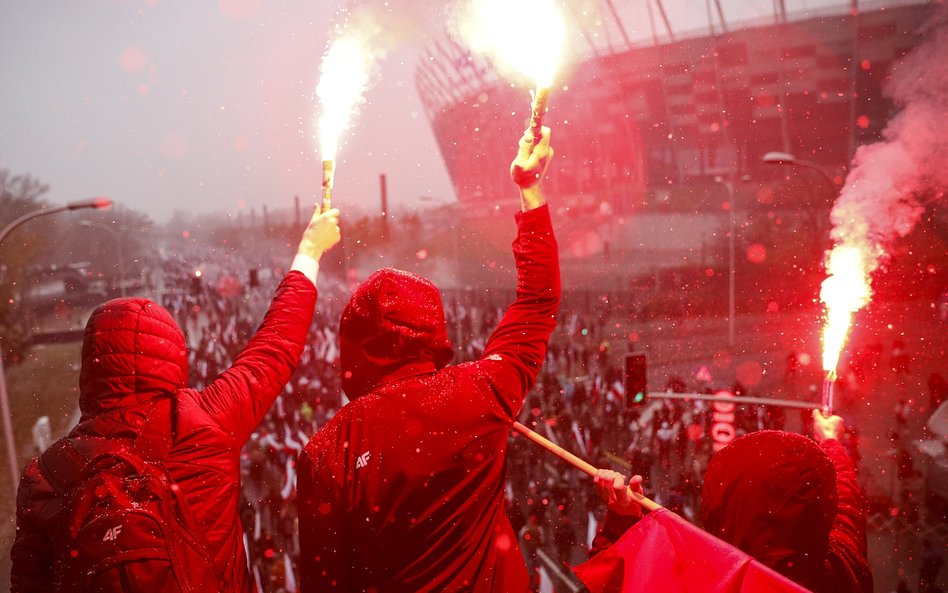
{"x":240,"y":397}
{"x":517,"y":347}
{"x":32,"y":552}
{"x":848,"y":557}
{"x":324,"y":566}
{"x":612,"y":528}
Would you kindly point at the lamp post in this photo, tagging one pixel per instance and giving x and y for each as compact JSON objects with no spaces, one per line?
{"x":731,"y":263}
{"x":95,"y":203}
{"x":785,"y":158}
{"x":117,"y":235}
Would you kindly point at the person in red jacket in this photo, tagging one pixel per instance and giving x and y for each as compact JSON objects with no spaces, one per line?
{"x":132,"y":392}
{"x":789,"y":502}
{"x":403,"y":490}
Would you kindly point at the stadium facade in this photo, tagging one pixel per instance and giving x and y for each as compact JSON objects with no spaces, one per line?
{"x":633,"y":126}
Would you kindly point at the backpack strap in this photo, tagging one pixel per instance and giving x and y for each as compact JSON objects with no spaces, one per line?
{"x":62,"y":463}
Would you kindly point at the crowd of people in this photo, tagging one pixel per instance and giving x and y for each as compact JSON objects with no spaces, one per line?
{"x":437,"y":513}
{"x":579,"y":402}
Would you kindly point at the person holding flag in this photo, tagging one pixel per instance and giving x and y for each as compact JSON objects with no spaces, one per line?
{"x":789,"y":502}
{"x":403,"y":490}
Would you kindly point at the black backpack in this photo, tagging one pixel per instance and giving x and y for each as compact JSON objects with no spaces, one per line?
{"x":125,"y":527}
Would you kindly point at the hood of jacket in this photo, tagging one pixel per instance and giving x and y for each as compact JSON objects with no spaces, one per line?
{"x":393,"y":324}
{"x":773,"y":495}
{"x":133,"y":353}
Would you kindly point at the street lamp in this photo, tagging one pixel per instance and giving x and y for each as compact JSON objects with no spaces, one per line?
{"x":117,"y":235}
{"x":785,"y":158}
{"x":95,"y":203}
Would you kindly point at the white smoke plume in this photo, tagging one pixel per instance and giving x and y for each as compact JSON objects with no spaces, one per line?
{"x":879,"y":201}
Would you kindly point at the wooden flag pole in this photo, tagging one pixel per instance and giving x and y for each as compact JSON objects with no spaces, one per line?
{"x":580,"y":464}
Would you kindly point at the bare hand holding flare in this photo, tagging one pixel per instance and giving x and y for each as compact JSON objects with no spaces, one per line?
{"x":529,"y":167}
{"x":321,"y":234}
{"x":826,"y":427}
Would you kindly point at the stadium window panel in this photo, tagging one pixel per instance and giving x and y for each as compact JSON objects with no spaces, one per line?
{"x":765,"y":78}
{"x":800,"y":51}
{"x":732,"y":55}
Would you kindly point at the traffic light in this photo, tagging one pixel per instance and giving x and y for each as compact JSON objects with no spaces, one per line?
{"x":196,"y":286}
{"x":636,"y":379}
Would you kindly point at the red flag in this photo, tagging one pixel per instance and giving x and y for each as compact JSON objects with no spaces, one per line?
{"x":663,"y":552}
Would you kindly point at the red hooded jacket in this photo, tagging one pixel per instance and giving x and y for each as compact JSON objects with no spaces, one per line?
{"x":792,"y":504}
{"x":403,"y":490}
{"x":132,"y":390}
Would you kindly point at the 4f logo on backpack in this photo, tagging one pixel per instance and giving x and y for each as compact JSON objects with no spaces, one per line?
{"x":126,"y":529}
{"x":112,"y":534}
{"x":363,"y":460}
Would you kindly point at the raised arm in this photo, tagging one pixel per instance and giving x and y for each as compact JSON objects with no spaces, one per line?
{"x":516,"y":349}
{"x":242,"y":394}
{"x":848,"y":547}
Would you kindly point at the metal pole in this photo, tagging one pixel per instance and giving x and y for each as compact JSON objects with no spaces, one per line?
{"x":8,"y":426}
{"x":766,"y":401}
{"x":457,"y":284}
{"x":121,"y":256}
{"x":4,"y":397}
{"x":731,"y":272}
{"x":731,"y":264}
{"x":96,"y":203}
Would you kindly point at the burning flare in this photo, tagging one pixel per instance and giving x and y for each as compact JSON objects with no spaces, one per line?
{"x":845,"y":291}
{"x":524,"y":35}
{"x":344,"y":76}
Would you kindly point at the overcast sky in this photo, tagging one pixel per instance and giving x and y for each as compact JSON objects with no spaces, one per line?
{"x":208,"y":106}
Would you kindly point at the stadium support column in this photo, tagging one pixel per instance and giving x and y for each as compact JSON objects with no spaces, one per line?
{"x":383,"y":194}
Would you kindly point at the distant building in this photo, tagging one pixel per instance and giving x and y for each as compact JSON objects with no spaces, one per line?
{"x":638,"y":126}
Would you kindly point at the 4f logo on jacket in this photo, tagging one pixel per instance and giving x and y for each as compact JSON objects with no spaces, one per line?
{"x":112,"y":534}
{"x":363,"y":460}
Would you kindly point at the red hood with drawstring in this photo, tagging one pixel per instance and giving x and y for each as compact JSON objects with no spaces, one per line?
{"x":393,"y":319}
{"x":791,"y":504}
{"x":132,"y":389}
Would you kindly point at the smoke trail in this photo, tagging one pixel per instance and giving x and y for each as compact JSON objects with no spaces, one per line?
{"x":879,"y":201}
